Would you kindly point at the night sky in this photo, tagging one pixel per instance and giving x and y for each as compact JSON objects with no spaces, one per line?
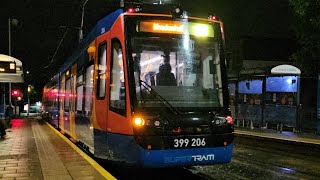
{"x":37,"y":35}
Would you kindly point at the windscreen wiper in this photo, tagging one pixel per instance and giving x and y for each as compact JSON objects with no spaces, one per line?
{"x":159,"y":97}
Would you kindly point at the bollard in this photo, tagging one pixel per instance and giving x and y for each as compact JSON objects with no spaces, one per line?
{"x":242,"y":122}
{"x":281,"y":127}
{"x":277,"y":127}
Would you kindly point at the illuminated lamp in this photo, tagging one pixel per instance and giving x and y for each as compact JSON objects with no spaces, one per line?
{"x":139,"y":121}
{"x":12,"y":65}
{"x":229,"y":120}
{"x":201,"y":30}
{"x":130,"y":10}
{"x":91,"y":50}
{"x":212,"y":17}
{"x":15,"y":93}
{"x":157,"y":123}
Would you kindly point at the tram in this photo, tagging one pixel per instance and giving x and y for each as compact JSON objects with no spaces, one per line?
{"x":147,"y":87}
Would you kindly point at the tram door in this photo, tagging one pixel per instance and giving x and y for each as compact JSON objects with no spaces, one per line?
{"x":101,"y":100}
{"x":67,"y":101}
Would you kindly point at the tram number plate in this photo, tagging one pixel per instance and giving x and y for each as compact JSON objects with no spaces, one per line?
{"x":191,"y":142}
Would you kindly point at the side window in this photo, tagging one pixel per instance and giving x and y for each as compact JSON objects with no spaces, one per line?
{"x":62,"y":92}
{"x":79,"y":93}
{"x":88,"y":90}
{"x":102,"y":61}
{"x":67,"y":95}
{"x":117,"y":80}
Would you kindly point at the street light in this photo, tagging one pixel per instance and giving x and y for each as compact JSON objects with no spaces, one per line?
{"x":81,"y":25}
{"x":15,"y":23}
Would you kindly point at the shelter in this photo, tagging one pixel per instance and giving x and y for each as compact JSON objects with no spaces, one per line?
{"x":7,"y":74}
{"x":11,"y":71}
{"x":268,"y":98}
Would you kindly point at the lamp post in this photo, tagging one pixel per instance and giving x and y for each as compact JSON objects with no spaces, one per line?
{"x":13,"y":22}
{"x":29,"y":90}
{"x":81,"y":25}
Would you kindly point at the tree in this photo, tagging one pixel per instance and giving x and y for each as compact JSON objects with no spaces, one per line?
{"x":307,"y":18}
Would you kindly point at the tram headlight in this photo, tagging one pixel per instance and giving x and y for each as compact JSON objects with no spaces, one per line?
{"x":138,"y":121}
{"x":218,"y":120}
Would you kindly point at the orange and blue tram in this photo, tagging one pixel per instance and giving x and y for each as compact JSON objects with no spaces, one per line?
{"x":146,"y":87}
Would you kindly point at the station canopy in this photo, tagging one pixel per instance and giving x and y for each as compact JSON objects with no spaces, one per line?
{"x":10,"y":69}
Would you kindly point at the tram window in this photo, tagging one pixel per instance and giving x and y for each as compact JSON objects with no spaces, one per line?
{"x":101,"y":83}
{"x":79,"y":93}
{"x":62,"y":90}
{"x":88,"y":89}
{"x":67,"y":95}
{"x":117,"y":80}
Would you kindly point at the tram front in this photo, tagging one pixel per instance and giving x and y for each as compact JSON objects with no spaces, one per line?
{"x":179,"y":94}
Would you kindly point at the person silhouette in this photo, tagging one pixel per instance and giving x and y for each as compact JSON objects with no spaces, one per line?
{"x":165,"y":77}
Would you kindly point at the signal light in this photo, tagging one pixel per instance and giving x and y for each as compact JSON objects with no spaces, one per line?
{"x":15,"y":93}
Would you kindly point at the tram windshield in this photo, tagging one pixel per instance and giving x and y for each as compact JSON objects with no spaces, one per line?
{"x":181,"y":69}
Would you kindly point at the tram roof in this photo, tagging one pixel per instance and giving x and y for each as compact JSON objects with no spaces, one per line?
{"x":101,"y":27}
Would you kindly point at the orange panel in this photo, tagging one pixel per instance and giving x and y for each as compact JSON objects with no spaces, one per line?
{"x":100,"y":107}
{"x":116,"y":122}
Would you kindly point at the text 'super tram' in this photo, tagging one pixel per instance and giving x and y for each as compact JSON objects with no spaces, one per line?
{"x":146,"y":89}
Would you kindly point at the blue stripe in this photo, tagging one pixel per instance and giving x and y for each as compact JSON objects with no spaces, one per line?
{"x":124,"y":148}
{"x":186,"y":157}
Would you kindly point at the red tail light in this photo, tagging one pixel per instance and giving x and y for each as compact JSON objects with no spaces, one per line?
{"x":130,"y":10}
{"x":229,"y":120}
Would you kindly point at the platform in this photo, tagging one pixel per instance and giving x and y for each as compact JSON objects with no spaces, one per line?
{"x":34,"y":150}
{"x":300,"y":138}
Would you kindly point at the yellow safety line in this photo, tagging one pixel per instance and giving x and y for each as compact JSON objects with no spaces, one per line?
{"x":100,"y":169}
